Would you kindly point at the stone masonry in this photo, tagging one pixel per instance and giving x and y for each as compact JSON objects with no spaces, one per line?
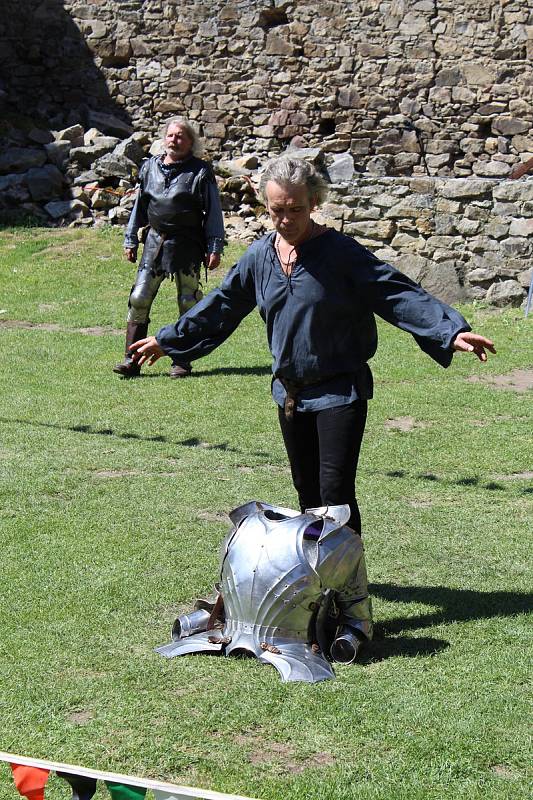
{"x":415,"y":110}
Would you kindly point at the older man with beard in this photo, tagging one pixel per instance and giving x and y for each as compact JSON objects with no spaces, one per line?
{"x":178,"y":199}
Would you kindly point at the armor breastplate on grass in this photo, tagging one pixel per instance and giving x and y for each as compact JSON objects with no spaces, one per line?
{"x":293,"y":592}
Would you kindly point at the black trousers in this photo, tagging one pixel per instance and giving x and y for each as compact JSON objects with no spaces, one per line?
{"x":323,"y":449}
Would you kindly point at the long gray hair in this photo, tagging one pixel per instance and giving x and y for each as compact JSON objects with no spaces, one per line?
{"x":189,"y":130}
{"x":287,"y":171}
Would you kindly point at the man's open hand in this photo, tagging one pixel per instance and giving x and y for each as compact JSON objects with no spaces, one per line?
{"x":468,"y":342}
{"x":146,"y":351}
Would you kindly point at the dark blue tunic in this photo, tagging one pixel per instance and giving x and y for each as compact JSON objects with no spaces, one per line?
{"x":320,"y":320}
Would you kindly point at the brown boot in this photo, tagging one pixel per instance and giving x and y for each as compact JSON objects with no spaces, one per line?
{"x":128,"y":368}
{"x":182,"y":370}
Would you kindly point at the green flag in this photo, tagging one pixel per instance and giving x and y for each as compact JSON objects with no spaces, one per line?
{"x":121,"y":791}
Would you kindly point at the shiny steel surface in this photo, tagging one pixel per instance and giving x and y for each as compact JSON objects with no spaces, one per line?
{"x":276,"y":567}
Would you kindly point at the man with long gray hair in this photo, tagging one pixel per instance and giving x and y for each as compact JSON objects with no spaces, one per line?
{"x":317,"y":290}
{"x":178,"y":205}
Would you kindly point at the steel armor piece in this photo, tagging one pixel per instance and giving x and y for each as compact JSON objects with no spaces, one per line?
{"x":293,"y":592}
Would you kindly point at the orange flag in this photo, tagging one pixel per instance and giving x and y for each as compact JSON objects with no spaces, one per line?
{"x":30,"y":781}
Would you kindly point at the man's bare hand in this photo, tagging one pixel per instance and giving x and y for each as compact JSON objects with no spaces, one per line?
{"x":213,"y":260}
{"x":131,"y":254}
{"x":146,"y":351}
{"x":468,"y":342}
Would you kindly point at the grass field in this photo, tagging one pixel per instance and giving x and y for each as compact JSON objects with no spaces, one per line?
{"x":112,"y":506}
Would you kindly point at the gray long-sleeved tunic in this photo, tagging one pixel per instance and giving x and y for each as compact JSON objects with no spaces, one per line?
{"x":320,"y":320}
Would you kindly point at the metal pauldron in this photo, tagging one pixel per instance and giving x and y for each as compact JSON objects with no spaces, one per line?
{"x":293,"y":592}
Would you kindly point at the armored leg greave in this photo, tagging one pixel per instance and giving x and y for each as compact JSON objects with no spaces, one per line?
{"x":142,"y":295}
{"x":187,"y":287}
{"x":188,"y":294}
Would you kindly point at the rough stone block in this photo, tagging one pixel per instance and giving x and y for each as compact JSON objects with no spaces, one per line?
{"x":445,"y":224}
{"x":451,"y":76}
{"x":112,"y":166}
{"x":491,"y":169}
{"x":58,"y":153}
{"x":505,"y":293}
{"x":379,"y":230}
{"x":514,"y":191}
{"x":217,"y":130}
{"x":45,"y":182}
{"x":85,"y":156}
{"x":131,"y":88}
{"x":111,"y":124}
{"x":40,"y":136}
{"x":349,"y":97}
{"x":463,"y":188}
{"x":62,"y":208}
{"x":414,"y":24}
{"x":277,"y":45}
{"x":496,"y":229}
{"x":104,"y":199}
{"x":478,"y":74}
{"x":341,"y":169}
{"x":21,"y":159}
{"x":404,"y":241}
{"x":481,"y":276}
{"x":131,"y":149}
{"x":509,"y":126}
{"x":521,"y":227}
{"x":517,"y":246}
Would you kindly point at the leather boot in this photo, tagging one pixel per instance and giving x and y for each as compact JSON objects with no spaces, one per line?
{"x":128,"y":368}
{"x":182,"y":370}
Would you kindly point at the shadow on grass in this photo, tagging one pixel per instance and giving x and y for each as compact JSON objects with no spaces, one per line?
{"x":474,"y":480}
{"x":205,"y":373}
{"x":382,"y":648}
{"x":192,"y":441}
{"x":456,"y":605}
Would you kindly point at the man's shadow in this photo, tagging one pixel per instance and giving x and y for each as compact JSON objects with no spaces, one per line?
{"x":455,"y":605}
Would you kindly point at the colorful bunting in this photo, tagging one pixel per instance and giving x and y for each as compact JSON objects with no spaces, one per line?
{"x":82,"y":788}
{"x":120,"y":791}
{"x":30,"y":781}
{"x":31,"y":775}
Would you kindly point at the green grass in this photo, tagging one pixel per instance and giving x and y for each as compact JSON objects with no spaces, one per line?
{"x":112,"y":505}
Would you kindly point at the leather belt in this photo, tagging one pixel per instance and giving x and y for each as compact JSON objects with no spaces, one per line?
{"x":293,"y":389}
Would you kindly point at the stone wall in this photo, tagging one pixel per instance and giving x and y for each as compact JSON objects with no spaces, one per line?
{"x":380,"y":80}
{"x":415,"y":110}
{"x":462,"y":239}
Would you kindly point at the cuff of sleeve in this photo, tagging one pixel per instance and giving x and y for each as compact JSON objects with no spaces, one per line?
{"x":161,"y":338}
{"x":454,"y":335}
{"x":215,"y":245}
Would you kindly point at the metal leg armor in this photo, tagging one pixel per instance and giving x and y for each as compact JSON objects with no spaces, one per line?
{"x":188,"y":294}
{"x":142,"y":295}
{"x":140,"y":302}
{"x":188,"y":288}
